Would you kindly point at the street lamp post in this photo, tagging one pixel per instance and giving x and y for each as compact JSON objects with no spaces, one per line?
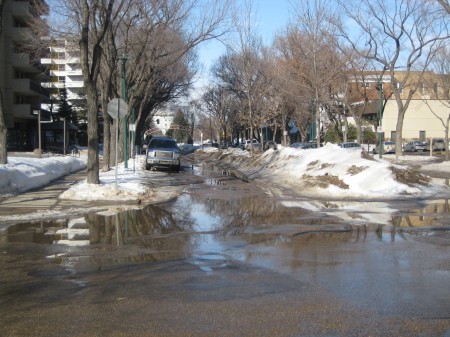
{"x":313,"y":123}
{"x":380,"y":116}
{"x":124,"y":58}
{"x":38,"y":113}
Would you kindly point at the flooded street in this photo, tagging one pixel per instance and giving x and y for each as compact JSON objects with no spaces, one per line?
{"x":227,"y":258}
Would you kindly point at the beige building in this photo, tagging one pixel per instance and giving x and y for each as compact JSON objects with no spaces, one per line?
{"x":428,"y":111}
{"x":424,"y":119}
{"x":21,"y":74}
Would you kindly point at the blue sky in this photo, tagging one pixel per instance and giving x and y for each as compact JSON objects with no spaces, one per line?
{"x":270,"y":17}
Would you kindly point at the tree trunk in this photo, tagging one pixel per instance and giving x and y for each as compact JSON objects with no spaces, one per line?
{"x":358,"y":130}
{"x":398,"y":130}
{"x":3,"y":133}
{"x":447,"y":150}
{"x":92,"y":131}
{"x":106,"y":130}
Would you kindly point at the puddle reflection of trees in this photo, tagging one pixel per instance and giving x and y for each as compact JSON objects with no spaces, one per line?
{"x":152,"y":227}
{"x":170,"y":227}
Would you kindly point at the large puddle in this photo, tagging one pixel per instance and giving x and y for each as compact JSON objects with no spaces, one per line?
{"x":208,"y":224}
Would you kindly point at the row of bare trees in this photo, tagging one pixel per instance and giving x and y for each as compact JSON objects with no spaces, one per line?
{"x":315,"y":61}
{"x":158,"y":39}
{"x":327,"y":45}
{"x":154,"y":40}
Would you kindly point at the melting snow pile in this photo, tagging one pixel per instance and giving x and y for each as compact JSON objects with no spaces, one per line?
{"x":333,"y":171}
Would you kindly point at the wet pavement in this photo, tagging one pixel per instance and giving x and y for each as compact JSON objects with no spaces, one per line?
{"x":228,"y":258}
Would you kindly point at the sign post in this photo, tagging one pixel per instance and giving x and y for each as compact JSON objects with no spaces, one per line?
{"x":117,"y":109}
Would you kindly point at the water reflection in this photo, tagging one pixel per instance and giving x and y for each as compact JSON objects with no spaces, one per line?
{"x":211,"y":230}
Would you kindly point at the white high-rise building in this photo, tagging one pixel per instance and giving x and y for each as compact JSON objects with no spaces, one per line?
{"x":65,"y":71}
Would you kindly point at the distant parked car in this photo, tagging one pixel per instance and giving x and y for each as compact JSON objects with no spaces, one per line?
{"x":351,"y":146}
{"x":270,"y":145}
{"x":186,"y":148}
{"x":305,"y":146}
{"x":388,"y":147}
{"x":414,"y":146}
{"x":163,"y":153}
{"x":438,"y":144}
{"x":246,"y":144}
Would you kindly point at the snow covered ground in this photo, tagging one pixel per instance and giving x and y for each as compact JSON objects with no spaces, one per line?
{"x":326,"y":172}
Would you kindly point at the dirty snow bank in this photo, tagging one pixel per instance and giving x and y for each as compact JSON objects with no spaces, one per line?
{"x":331,"y":171}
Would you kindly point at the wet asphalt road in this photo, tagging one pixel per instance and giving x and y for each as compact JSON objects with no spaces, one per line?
{"x":229,"y":259}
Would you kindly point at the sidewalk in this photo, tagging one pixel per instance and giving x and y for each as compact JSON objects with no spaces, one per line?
{"x":45,"y":198}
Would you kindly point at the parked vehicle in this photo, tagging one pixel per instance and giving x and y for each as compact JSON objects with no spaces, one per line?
{"x":388,"y":147}
{"x":351,"y":146}
{"x":246,"y":144}
{"x":438,"y":144}
{"x":270,"y":145}
{"x":162,"y":153}
{"x":305,"y":146}
{"x":415,"y":146}
{"x":186,"y":148}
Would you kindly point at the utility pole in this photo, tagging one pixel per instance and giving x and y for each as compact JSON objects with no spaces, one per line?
{"x":380,"y":117}
{"x":124,"y":58}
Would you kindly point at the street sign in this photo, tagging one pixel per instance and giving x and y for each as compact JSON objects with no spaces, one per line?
{"x":379,"y":129}
{"x":117,"y":108}
{"x":132,"y":127}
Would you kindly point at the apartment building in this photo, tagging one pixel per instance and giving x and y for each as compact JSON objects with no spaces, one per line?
{"x":64,"y":67}
{"x":21,"y":74}
{"x":427,"y":112}
{"x":63,"y":63}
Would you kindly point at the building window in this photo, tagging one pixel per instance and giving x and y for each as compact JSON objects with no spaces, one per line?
{"x":422,"y":87}
{"x":393,"y":135}
{"x":436,"y":89}
{"x":366,"y":85}
{"x":422,"y":136}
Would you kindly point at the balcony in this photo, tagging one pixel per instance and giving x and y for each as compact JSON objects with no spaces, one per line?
{"x":75,"y":97}
{"x":52,"y":85}
{"x":26,"y":111}
{"x":27,"y":10}
{"x":73,"y":59}
{"x":75,"y":84}
{"x":24,"y":63}
{"x":53,"y":61}
{"x":57,"y":73}
{"x":25,"y":86}
{"x":20,"y":34}
{"x":76,"y":72}
{"x":21,"y":9}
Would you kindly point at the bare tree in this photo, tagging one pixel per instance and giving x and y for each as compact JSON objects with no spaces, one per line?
{"x":445,"y":4}
{"x":397,"y":34}
{"x":3,"y":128}
{"x":159,"y":39}
{"x":216,"y":100}
{"x":309,"y":47}
{"x":245,"y":67}
{"x":95,"y":21}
